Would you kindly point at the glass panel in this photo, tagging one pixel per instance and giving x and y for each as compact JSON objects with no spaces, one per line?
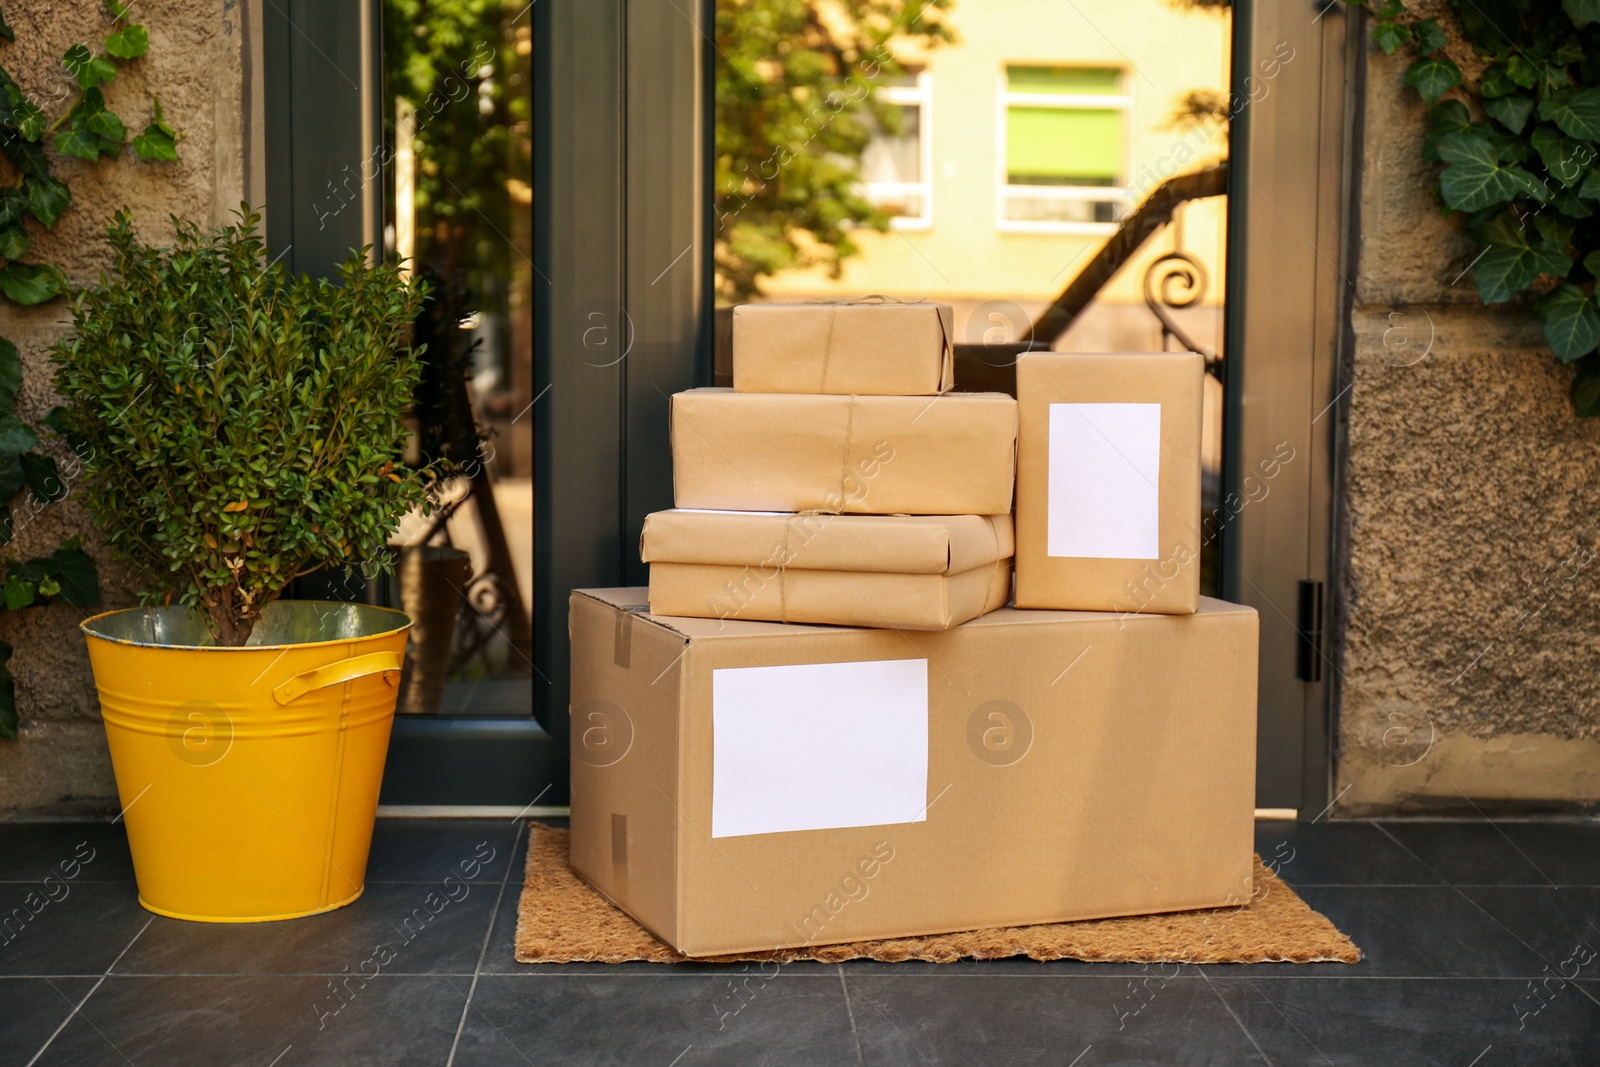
{"x":458,"y":211}
{"x":895,"y":157}
{"x":1023,"y":208}
{"x":1063,"y":146}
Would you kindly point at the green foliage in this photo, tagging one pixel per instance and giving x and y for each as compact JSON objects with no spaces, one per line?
{"x":240,"y":426}
{"x":86,"y":129}
{"x":1526,"y":175}
{"x":795,"y":107}
{"x":67,"y":575}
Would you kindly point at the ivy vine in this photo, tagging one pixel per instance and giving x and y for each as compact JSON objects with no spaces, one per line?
{"x":72,"y":117}
{"x":1519,"y":146}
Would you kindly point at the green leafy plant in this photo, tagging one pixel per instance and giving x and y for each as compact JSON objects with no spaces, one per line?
{"x":85,"y":129}
{"x":1519,"y":144}
{"x":242,"y":426}
{"x":68,"y":575}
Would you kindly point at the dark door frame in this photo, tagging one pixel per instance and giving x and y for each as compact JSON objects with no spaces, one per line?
{"x":624,"y":240}
{"x":325,"y":146}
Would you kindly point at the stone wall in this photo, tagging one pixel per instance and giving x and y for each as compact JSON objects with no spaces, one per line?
{"x":1469,"y":598}
{"x":197,"y":66}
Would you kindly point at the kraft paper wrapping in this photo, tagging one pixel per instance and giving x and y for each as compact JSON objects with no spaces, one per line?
{"x":865,"y":347}
{"x":865,"y":455}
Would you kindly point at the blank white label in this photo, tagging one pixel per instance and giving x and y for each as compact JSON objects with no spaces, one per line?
{"x":819,"y":747}
{"x":1105,"y":467}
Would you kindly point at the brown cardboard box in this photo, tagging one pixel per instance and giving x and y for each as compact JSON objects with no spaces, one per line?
{"x":1108,"y":481}
{"x":865,"y":347}
{"x":868,"y":455}
{"x":915,"y":572}
{"x":739,"y":786}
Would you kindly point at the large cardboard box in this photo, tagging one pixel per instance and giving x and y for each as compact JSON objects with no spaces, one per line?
{"x":915,"y":572}
{"x":739,"y":786}
{"x":865,"y":347}
{"x":1108,"y":481}
{"x":869,"y":455}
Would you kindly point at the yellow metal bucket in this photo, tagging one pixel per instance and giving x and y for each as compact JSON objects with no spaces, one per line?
{"x":249,"y":776}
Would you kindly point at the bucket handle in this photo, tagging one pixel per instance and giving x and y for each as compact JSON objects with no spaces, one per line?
{"x":385,"y":663}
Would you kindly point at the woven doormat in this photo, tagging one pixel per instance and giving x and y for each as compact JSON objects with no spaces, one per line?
{"x":561,"y":920}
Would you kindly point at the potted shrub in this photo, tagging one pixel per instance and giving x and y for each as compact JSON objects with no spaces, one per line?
{"x":242,"y":426}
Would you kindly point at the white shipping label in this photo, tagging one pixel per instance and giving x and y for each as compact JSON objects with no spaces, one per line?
{"x":1105,"y":467}
{"x":819,"y":746}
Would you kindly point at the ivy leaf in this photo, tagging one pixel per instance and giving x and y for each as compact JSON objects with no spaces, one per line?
{"x":118,"y":10}
{"x":10,"y":373}
{"x":1581,"y":12}
{"x":27,"y":284}
{"x":26,"y":156}
{"x":1504,"y":270}
{"x":90,"y":70}
{"x":47,"y":198}
{"x":1521,"y":71}
{"x":1495,"y":82}
{"x":29,"y":120}
{"x":1586,"y":388}
{"x":1430,"y":36}
{"x":1571,"y":323}
{"x":73,"y":571}
{"x":1508,"y":148}
{"x":16,"y":435}
{"x":1474,"y":178}
{"x":11,"y":35}
{"x":1390,"y":35}
{"x":19,"y":592}
{"x":1447,"y":117}
{"x":79,"y":142}
{"x":13,"y":242}
{"x":1432,"y":78}
{"x":8,"y":686}
{"x":11,"y":483}
{"x":158,"y":141}
{"x":130,"y":42}
{"x":1591,"y":263}
{"x":1567,"y":202}
{"x":1512,"y":112}
{"x":42,"y":478}
{"x":1556,"y":231}
{"x":105,"y":124}
{"x":1560,"y":154}
{"x":1576,"y":111}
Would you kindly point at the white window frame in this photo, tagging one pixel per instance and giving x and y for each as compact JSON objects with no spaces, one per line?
{"x":1005,"y":191}
{"x":920,"y":96}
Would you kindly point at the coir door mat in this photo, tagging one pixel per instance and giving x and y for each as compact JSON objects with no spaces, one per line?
{"x":561,"y":920}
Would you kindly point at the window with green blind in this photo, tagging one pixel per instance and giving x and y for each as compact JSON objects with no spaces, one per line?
{"x":1068,"y":141}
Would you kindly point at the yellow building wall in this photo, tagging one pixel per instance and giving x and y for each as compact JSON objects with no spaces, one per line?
{"x":964,"y":254}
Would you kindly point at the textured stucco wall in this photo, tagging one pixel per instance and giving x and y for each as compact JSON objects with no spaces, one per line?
{"x":196,"y":66}
{"x":1471,"y":603}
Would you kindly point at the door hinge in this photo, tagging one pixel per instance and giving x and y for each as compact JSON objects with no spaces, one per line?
{"x":1308,"y":652}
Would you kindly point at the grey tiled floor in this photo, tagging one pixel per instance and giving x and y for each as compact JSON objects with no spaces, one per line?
{"x":1472,"y":932}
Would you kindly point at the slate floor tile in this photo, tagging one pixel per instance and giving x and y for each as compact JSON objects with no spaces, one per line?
{"x":33,"y":1008}
{"x":78,"y":931}
{"x":1506,"y":852}
{"x":1361,"y":1022}
{"x":257,"y":1021}
{"x":1337,"y":853}
{"x":427,"y":850}
{"x":692,"y":1020}
{"x":426,"y":931}
{"x":1561,"y":925}
{"x":30,"y":851}
{"x":916,"y":1021}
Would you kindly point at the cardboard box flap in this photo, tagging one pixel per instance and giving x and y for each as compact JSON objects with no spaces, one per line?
{"x":891,"y":544}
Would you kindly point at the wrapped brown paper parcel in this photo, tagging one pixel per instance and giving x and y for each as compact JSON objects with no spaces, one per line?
{"x":866,"y":455}
{"x":740,"y":786}
{"x":1108,"y":481}
{"x":913,"y":572}
{"x":869,"y":346}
